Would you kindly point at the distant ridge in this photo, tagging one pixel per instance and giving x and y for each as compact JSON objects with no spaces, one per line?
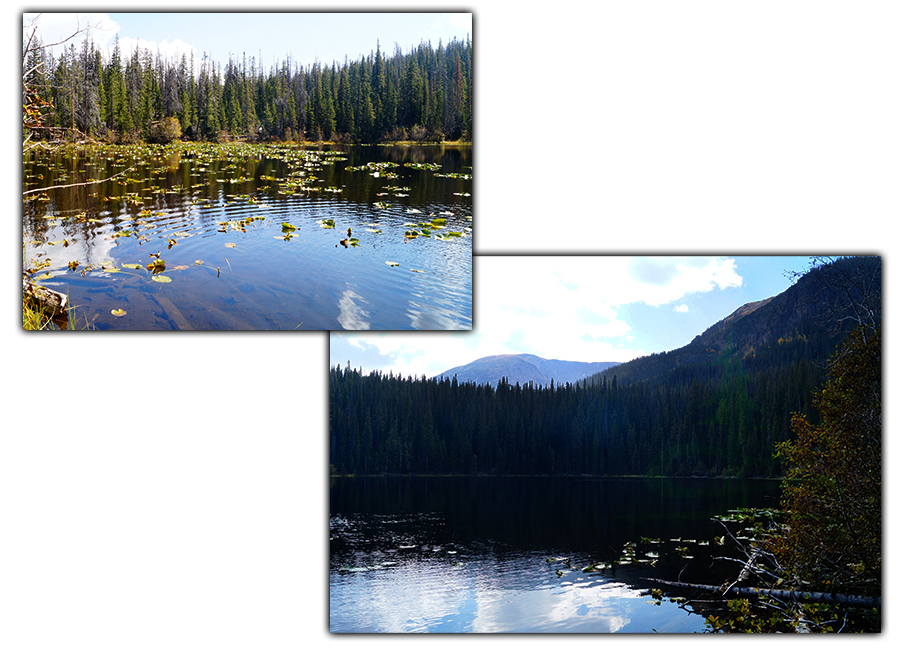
{"x":819,"y":296}
{"x":523,"y":368}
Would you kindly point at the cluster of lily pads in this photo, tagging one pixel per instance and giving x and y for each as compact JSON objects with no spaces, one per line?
{"x":649,"y":551}
{"x":424,"y":229}
{"x":377,"y":170}
{"x":212,"y":162}
{"x":402,"y":549}
{"x":145,"y":164}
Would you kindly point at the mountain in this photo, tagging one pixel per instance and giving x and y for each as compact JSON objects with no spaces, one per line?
{"x":523,"y":368}
{"x":841,"y":294}
{"x":716,"y":407}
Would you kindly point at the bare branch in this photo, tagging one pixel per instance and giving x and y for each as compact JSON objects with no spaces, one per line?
{"x":84,"y":183}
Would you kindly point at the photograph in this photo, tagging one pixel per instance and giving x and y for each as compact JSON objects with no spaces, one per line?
{"x":622,"y":444}
{"x":214,"y":172}
{"x":641,"y":397}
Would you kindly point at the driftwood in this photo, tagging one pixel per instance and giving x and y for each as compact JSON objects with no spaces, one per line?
{"x":84,"y":183}
{"x":799,"y":596}
{"x":50,"y":302}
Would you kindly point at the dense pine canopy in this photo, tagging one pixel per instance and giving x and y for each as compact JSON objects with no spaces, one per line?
{"x":721,"y":420}
{"x":425,"y":94}
{"x":716,"y":407}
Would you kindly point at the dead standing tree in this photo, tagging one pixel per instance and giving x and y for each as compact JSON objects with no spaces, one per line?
{"x":34,"y":105}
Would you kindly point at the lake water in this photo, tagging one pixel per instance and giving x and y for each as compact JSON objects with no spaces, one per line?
{"x":509,"y":554}
{"x":255,"y":237}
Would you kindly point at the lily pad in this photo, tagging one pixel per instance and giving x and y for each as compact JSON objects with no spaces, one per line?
{"x":133,"y":265}
{"x":159,"y":278}
{"x":118,"y":312}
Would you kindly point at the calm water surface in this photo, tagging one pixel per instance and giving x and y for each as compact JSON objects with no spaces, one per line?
{"x":377,"y":237}
{"x":471,"y":554}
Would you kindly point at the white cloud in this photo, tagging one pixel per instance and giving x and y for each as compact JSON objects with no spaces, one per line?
{"x":56,"y":27}
{"x":581,"y":299}
{"x":170,"y":50}
{"x":460,"y":21}
{"x":565,"y":307}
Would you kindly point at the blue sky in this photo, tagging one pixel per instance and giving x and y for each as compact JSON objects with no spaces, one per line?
{"x":269,"y":36}
{"x":584,"y":308}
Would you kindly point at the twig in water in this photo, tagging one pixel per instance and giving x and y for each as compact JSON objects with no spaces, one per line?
{"x":71,"y":185}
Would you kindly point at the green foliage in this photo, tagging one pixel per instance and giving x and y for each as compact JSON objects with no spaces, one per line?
{"x":833,"y":488}
{"x":695,"y":427}
{"x":138,"y":96}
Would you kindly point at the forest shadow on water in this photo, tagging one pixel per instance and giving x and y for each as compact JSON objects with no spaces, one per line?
{"x":526,"y":554}
{"x":201,"y":236}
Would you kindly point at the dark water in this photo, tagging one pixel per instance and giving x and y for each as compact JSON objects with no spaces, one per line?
{"x":215,"y":215}
{"x":471,"y":554}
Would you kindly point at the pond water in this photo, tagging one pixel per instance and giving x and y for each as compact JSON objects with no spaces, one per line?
{"x":254,"y":237}
{"x":513,"y":554}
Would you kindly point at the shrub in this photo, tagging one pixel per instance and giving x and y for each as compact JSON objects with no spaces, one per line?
{"x":165,"y":131}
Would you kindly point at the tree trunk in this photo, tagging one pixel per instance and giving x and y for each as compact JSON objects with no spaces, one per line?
{"x":799,"y":596}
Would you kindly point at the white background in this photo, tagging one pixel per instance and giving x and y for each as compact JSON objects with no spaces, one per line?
{"x":168,"y":491}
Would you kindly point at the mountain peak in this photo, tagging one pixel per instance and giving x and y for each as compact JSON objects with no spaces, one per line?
{"x":523,"y":368}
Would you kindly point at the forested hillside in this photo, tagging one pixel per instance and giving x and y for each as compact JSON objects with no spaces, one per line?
{"x":425,"y":94}
{"x":717,"y":415}
{"x":384,"y":423}
{"x":822,"y":306}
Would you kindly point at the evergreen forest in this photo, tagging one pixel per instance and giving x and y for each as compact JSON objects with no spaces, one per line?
{"x":722,"y":421}
{"x":718,"y":407}
{"x":422,"y":95}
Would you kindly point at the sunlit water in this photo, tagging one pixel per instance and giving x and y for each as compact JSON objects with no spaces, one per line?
{"x":446,"y":587}
{"x":376,"y":237}
{"x":509,"y":555}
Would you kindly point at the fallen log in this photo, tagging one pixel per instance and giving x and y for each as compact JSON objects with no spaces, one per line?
{"x":50,"y":302}
{"x":798,"y":596}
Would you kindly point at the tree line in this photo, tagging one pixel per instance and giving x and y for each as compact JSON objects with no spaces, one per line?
{"x":423,"y":95}
{"x":719,"y":406}
{"x":721,"y":419}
